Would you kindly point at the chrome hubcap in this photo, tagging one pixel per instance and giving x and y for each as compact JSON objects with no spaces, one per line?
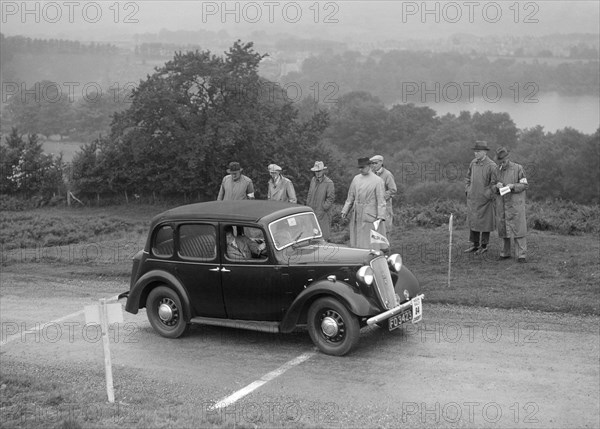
{"x":167,"y":311}
{"x":332,"y":326}
{"x":329,"y":327}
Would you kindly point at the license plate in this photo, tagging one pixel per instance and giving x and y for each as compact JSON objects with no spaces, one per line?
{"x":397,"y":320}
{"x":417,"y":309}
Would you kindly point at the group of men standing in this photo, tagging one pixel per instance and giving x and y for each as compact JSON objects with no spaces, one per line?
{"x":370,"y":195}
{"x":496,"y":198}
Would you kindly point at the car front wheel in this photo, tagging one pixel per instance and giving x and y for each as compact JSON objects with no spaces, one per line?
{"x":332,"y":328}
{"x":165,"y":312}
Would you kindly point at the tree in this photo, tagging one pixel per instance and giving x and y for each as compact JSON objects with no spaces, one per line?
{"x":42,"y":109}
{"x":193,"y":116}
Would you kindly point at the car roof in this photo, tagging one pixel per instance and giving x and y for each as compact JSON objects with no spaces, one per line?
{"x":238,"y":210}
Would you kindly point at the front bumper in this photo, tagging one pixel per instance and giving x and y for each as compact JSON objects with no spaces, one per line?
{"x":123,"y":295}
{"x":416,"y":301}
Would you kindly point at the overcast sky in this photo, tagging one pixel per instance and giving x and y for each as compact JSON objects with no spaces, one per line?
{"x":341,"y":20}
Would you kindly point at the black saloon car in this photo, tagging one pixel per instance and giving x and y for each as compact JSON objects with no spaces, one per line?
{"x":263,"y":265}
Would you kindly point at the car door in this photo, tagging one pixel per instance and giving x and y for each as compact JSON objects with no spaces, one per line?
{"x":198,"y":267}
{"x":253,"y":288}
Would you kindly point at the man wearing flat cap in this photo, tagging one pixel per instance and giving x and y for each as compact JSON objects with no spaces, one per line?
{"x":236,"y":186}
{"x":510,"y":186}
{"x":390,"y":189}
{"x":280,"y":188}
{"x":480,"y":189}
{"x":366,"y":197}
{"x":321,"y":194}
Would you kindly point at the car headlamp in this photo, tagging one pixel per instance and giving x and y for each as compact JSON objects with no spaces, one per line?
{"x":395,"y":262}
{"x":365,"y":275}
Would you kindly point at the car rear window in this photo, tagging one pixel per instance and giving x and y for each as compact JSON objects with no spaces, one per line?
{"x":197,"y":242}
{"x":162,"y":244}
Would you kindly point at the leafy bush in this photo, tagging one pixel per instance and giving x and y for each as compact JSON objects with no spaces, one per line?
{"x":563,"y":217}
{"x":434,"y":214}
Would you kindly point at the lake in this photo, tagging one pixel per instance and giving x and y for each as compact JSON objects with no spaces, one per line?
{"x":552,"y":111}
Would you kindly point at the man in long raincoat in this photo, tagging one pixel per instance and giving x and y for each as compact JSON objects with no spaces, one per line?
{"x":367,"y":197}
{"x":480,"y":189}
{"x":321,"y":194}
{"x":389,"y":186}
{"x":511,"y":186}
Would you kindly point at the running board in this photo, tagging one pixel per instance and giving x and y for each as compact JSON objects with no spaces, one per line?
{"x":252,"y":325}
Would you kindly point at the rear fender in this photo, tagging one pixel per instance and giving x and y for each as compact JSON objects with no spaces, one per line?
{"x":343,"y":292}
{"x":139,"y":292}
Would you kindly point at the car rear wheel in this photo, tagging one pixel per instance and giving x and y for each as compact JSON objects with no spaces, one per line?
{"x":165,"y":312}
{"x":332,"y":328}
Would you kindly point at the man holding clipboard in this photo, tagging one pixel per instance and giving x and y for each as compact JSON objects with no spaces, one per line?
{"x":510,"y":209}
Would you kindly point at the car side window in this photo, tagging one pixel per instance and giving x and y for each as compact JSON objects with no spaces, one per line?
{"x":162,"y":243}
{"x":244,"y":244}
{"x":197,"y":242}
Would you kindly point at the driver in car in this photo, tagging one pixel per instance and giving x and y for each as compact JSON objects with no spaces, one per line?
{"x":241,"y":247}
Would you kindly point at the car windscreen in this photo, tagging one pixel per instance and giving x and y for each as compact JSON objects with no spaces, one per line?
{"x":294,"y":229}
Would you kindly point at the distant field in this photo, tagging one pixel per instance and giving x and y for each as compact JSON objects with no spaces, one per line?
{"x":67,"y":148}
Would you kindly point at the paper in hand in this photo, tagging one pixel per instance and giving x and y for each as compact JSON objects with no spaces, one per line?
{"x":505,"y":190}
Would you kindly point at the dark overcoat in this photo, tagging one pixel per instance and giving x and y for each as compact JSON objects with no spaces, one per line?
{"x":479,"y":186}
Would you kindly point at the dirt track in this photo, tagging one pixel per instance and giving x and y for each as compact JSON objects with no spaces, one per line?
{"x":461,"y":367}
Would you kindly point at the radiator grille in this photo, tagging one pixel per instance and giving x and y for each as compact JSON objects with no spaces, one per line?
{"x":383,"y":283}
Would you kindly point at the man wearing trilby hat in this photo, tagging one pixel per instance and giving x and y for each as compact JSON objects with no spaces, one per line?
{"x":321,"y":195}
{"x":479,"y":187}
{"x":511,"y":186}
{"x":236,"y":186}
{"x":367,"y":196}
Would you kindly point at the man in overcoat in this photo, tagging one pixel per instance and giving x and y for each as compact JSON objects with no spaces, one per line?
{"x":280,"y":188}
{"x":366,"y":197}
{"x":511,"y":186}
{"x":236,"y":186}
{"x":480,"y":190}
{"x":321,"y":195}
{"x":390,"y":189}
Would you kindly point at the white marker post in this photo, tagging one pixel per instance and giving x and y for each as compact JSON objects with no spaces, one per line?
{"x":103,"y":315}
{"x":450,"y":247}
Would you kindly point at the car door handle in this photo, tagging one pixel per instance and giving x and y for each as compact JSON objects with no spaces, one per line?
{"x":225,"y":270}
{"x":215,"y":269}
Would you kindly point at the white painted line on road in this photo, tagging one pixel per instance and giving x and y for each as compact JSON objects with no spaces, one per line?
{"x":264,"y":379}
{"x":39,"y":328}
{"x":13,"y":337}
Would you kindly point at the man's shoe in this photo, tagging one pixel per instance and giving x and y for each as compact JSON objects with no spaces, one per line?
{"x":522,"y":260}
{"x":481,"y":251}
{"x":503,"y":258}
{"x":472,"y":249}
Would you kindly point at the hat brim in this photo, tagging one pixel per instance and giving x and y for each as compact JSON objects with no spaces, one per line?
{"x":320,"y":169}
{"x":233,"y":171}
{"x":481,"y":148}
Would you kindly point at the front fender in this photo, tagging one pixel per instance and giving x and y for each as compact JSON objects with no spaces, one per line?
{"x":407,"y":281}
{"x":346,"y":294}
{"x":138,"y":293}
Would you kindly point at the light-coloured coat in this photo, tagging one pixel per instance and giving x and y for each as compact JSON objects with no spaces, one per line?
{"x":367,"y":197}
{"x":511,"y":207}
{"x":321,"y":196}
{"x":390,"y":191}
{"x":282,"y":190}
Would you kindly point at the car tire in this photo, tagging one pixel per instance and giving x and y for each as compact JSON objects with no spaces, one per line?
{"x":332,"y":327}
{"x":165,"y":312}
